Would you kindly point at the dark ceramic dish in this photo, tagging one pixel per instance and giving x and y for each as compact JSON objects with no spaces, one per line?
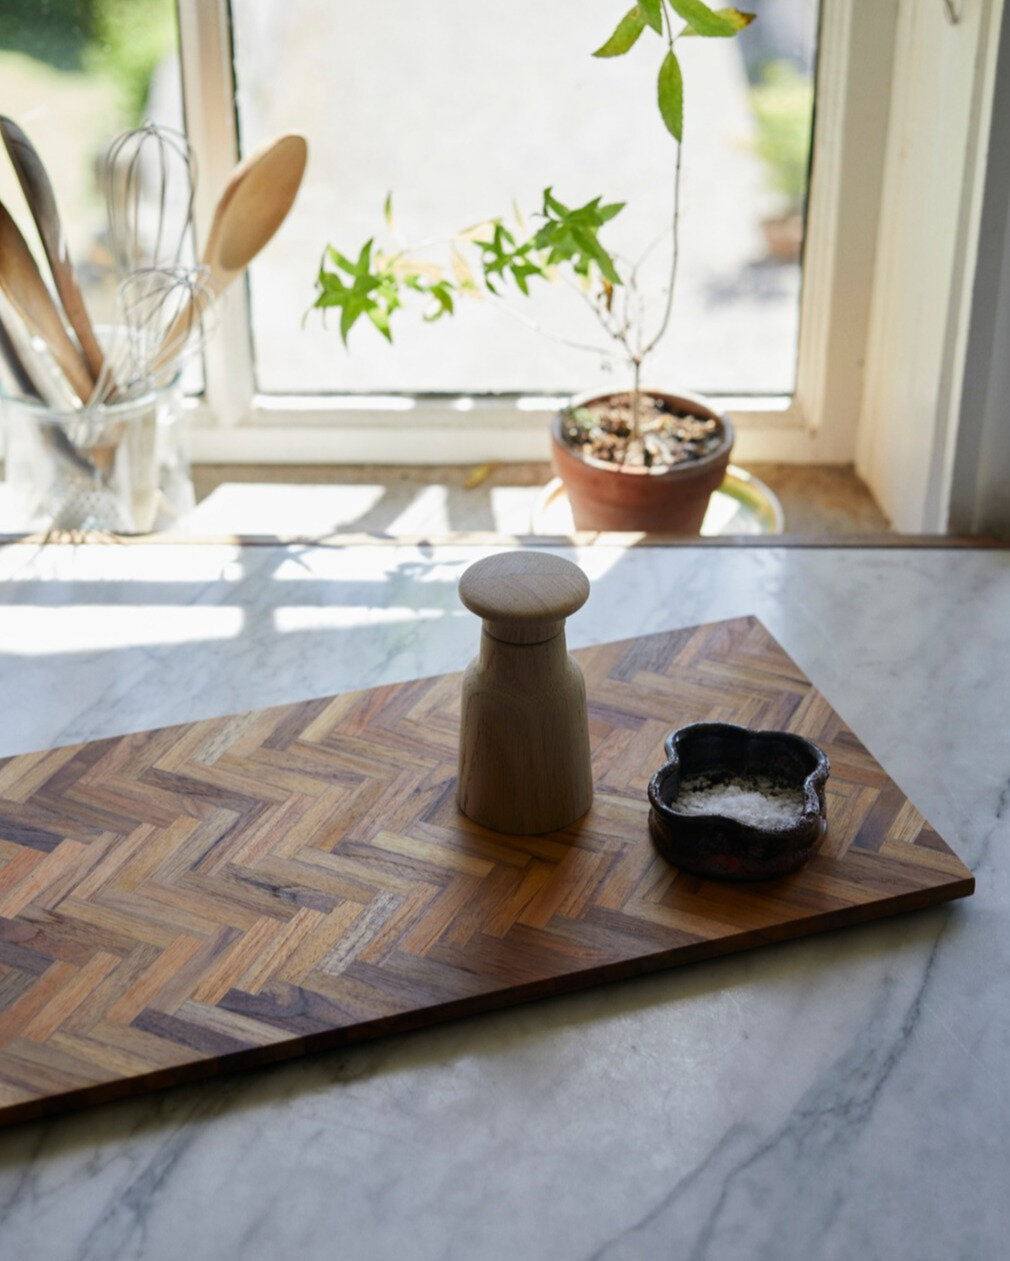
{"x":727,"y":848}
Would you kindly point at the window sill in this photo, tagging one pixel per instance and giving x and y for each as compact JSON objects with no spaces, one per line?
{"x":432,"y":431}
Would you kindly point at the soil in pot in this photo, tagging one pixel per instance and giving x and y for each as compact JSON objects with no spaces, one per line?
{"x":658,"y":479}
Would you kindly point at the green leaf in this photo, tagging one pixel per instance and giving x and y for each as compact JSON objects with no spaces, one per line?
{"x":330,"y":283}
{"x":589,"y":246}
{"x":652,"y":11}
{"x":671,"y":95}
{"x":462,"y":273}
{"x":387,"y":212}
{"x":552,"y":203}
{"x":339,"y":259}
{"x":625,"y":34}
{"x":380,"y":319}
{"x":736,"y":17}
{"x":347,"y":317}
{"x":702,"y":20}
{"x":441,"y":291}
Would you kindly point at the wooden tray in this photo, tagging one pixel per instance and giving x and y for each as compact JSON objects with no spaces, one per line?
{"x":245,"y":889}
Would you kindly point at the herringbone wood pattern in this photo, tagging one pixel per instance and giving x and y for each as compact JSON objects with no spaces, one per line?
{"x":247,"y":888}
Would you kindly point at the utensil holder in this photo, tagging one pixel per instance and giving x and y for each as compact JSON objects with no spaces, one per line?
{"x":122,"y":468}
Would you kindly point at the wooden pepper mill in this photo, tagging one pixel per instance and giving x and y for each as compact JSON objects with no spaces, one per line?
{"x":524,"y":733}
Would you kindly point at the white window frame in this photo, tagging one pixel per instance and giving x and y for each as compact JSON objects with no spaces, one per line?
{"x":979,"y":473}
{"x":917,"y":415}
{"x":863,"y":48}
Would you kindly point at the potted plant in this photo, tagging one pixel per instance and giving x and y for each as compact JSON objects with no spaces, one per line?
{"x":634,"y":459}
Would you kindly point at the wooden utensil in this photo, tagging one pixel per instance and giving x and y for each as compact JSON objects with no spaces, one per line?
{"x":38,"y":191}
{"x":38,"y":381}
{"x":44,"y":379}
{"x":254,"y":204}
{"x":26,"y":291}
{"x":18,"y":372}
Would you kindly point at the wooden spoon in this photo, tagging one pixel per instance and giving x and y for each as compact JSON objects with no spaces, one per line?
{"x":26,"y":291}
{"x":15,"y":364}
{"x":37,"y":381}
{"x":253,"y":205}
{"x":38,"y":191}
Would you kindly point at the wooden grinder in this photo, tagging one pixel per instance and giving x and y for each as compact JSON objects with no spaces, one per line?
{"x":524,"y":761}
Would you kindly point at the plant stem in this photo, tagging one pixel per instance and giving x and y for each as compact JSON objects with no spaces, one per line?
{"x":616,"y":332}
{"x":645,"y":350}
{"x":636,"y":424}
{"x":674,"y":231}
{"x":534,"y":327}
{"x":408,"y":250}
{"x":602,"y":318}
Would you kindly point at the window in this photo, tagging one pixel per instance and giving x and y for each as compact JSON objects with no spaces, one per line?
{"x":464,"y":119}
{"x":356,"y":424}
{"x":407,"y":105}
{"x":274,"y":392}
{"x":75,"y":74}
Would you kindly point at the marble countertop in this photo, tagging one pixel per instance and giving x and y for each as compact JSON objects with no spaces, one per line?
{"x":840,"y":1096}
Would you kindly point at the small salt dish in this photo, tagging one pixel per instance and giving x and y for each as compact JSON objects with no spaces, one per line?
{"x":738,"y":804}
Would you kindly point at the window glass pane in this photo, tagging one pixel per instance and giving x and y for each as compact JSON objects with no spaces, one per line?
{"x":461,"y":113}
{"x":75,"y":74}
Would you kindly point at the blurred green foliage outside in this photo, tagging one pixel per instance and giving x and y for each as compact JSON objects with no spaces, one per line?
{"x":782,"y":101}
{"x":123,"y":40}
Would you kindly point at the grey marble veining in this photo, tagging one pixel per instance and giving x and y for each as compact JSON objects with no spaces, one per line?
{"x":837,"y":1097}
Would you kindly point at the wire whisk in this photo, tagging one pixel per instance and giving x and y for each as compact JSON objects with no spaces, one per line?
{"x":166,"y":315}
{"x":149,"y":179}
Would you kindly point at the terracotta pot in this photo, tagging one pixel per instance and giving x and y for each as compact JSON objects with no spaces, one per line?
{"x":784,"y":237}
{"x":660,"y":500}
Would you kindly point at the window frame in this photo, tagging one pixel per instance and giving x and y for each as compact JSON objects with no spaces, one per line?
{"x":233,"y":422}
{"x":840,"y":384}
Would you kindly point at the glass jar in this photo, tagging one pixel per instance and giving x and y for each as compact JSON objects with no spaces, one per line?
{"x":120,"y":467}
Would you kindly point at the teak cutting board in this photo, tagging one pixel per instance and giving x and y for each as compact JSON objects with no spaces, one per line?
{"x":244,"y":889}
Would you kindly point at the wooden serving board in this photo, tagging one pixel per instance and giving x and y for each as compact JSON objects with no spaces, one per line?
{"x":245,"y":889}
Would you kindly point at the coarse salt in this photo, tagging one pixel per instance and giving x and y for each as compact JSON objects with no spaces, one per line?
{"x":755,"y":800}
